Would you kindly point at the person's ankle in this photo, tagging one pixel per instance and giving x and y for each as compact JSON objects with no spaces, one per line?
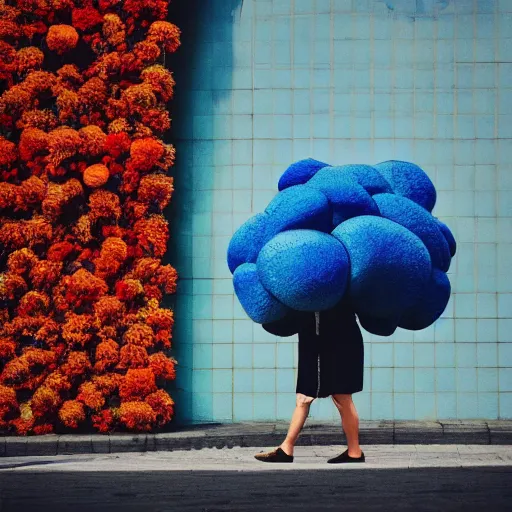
{"x":355,"y":453}
{"x":287,"y":448}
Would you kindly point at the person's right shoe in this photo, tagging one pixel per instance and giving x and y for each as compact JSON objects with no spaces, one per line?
{"x":277,"y":455}
{"x":345,"y":457}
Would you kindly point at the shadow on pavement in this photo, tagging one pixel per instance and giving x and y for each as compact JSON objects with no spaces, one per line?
{"x":445,"y":489}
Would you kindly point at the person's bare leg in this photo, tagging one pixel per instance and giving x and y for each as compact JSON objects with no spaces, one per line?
{"x":349,"y":422}
{"x":300,"y":414}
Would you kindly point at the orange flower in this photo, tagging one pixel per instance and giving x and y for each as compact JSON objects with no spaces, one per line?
{"x":109,"y":309}
{"x":104,"y":204}
{"x":117,"y":143}
{"x":43,"y":429}
{"x":157,"y":120}
{"x":94,"y":93}
{"x":163,"y":405}
{"x":60,"y":251}
{"x":68,"y":105}
{"x":33,"y":141}
{"x":118,"y":126}
{"x":107,"y":355}
{"x":167,"y":278}
{"x":96,"y":175}
{"x":86,"y":18}
{"x":33,"y":304}
{"x":28,"y":58}
{"x":21,"y":261}
{"x":58,"y":382}
{"x":93,"y":140}
{"x":15,"y":372}
{"x":152,"y":234}
{"x":90,"y":396}
{"x":156,"y":189}
{"x":45,"y":400}
{"x":139,"y":97}
{"x":82,"y":229}
{"x":58,"y":196}
{"x":12,"y":287}
{"x":77,"y":364}
{"x":42,"y":119}
{"x":140,"y":334}
{"x":165,"y":34}
{"x":156,"y":9}
{"x":45,"y":274}
{"x":128,"y":289}
{"x":113,"y":30}
{"x":137,"y":384}
{"x":61,"y":38}
{"x":161,"y":81}
{"x":132,"y":356}
{"x":145,"y":153}
{"x":8,"y":402}
{"x":70,"y":76}
{"x":7,"y":348}
{"x":30,"y":194}
{"x":103,"y":421}
{"x":78,"y":329}
{"x":107,"y":383}
{"x":63,"y":143}
{"x":137,"y":416}
{"x":22,"y":426}
{"x":49,"y":333}
{"x":72,"y":413}
{"x":162,"y":366}
{"x":8,"y":153}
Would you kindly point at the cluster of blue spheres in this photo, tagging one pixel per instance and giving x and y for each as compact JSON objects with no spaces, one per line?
{"x":360,"y":232}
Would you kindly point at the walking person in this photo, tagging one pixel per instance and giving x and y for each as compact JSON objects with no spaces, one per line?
{"x":331,"y":362}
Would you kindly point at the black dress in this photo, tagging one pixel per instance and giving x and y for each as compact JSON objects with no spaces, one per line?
{"x":331,"y":352}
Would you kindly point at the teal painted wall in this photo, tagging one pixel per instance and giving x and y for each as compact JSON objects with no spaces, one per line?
{"x":274,"y":81}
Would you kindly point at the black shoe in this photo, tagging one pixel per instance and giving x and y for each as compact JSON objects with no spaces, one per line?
{"x":345,"y":457}
{"x":277,"y":455}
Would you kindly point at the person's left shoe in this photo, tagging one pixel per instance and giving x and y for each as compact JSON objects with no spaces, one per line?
{"x":345,"y":457}
{"x":277,"y":455}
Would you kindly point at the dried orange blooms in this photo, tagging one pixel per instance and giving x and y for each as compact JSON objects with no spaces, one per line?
{"x":84,"y":179}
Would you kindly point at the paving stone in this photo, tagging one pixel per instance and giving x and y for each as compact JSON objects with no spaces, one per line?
{"x":74,"y":443}
{"x":16,"y":446}
{"x":43,"y":445}
{"x":128,"y":443}
{"x":100,"y":443}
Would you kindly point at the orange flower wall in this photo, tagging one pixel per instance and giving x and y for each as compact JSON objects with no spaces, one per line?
{"x":84,"y":179}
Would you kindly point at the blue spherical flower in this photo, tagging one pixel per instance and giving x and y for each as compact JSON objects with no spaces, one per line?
{"x":360,"y":232}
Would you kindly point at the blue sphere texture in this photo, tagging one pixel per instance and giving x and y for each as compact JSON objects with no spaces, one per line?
{"x":357,"y":232}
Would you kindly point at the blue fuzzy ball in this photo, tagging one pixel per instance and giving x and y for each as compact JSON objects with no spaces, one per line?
{"x":418,"y":221}
{"x":431,"y":304}
{"x":347,"y":197}
{"x":298,"y":207}
{"x":367,"y":176}
{"x":409,"y":180}
{"x":306,"y":270}
{"x":257,"y":302}
{"x":389,"y":265}
{"x":246,"y":243}
{"x":300,"y":172}
{"x":448,"y":235}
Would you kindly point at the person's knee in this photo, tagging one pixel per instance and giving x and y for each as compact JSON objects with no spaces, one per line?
{"x":303,"y":400}
{"x":342,"y":402}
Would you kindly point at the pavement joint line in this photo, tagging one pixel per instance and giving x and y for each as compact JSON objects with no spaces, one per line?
{"x":316,"y":434}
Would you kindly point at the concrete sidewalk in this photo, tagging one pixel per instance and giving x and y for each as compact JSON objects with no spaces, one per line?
{"x":450,"y":478}
{"x":476,"y":432}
